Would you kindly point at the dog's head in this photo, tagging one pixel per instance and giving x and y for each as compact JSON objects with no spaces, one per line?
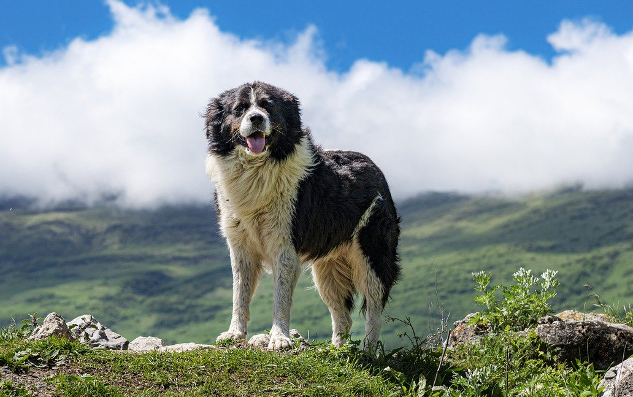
{"x":257,"y":118}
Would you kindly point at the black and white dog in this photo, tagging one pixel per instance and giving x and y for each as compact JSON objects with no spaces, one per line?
{"x":283,"y":201}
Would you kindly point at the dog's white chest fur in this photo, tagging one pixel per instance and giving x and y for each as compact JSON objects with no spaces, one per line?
{"x":256,"y":196}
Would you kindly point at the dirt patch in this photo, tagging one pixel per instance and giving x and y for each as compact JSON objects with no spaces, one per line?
{"x":34,"y":379}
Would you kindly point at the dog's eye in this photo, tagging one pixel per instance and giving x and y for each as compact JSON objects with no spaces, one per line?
{"x":266,"y":103}
{"x":239,"y":110}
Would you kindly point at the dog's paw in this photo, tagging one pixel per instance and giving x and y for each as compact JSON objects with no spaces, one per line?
{"x":279,"y":342}
{"x":261,"y":341}
{"x":231,"y":335}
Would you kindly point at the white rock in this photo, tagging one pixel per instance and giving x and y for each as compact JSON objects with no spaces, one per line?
{"x":146,"y":344}
{"x":185,"y":347}
{"x":53,"y":324}
{"x":89,"y":331}
{"x":260,"y":340}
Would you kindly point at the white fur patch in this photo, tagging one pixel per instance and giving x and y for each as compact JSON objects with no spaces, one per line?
{"x":253,"y":96}
{"x":365,"y":218}
{"x":256,"y":196}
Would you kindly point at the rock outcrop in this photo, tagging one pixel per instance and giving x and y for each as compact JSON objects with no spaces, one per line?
{"x":53,"y":324}
{"x":464,"y":333}
{"x":91,"y":332}
{"x":86,"y":329}
{"x":574,"y":335}
{"x":185,"y":347}
{"x":144,"y":344}
{"x":587,"y":337}
{"x":618,"y":381}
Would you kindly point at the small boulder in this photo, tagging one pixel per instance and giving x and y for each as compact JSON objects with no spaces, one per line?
{"x":618,"y":381}
{"x":53,"y":324}
{"x":259,"y":341}
{"x":465,"y":333}
{"x":146,"y":344}
{"x":89,"y":331}
{"x":185,"y":347}
{"x":586,"y":337}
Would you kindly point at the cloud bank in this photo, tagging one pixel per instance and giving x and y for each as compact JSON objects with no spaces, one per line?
{"x":120,"y":115}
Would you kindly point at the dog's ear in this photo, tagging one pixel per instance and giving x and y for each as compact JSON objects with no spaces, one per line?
{"x":214,"y":117}
{"x":292,"y":101}
{"x":293,"y":112}
{"x":293,"y":132}
{"x":218,"y":136}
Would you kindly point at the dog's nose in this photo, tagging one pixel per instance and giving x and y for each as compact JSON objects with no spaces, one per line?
{"x":256,"y":118}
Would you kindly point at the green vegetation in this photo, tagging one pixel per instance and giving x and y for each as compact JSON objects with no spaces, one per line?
{"x":622,"y":315}
{"x":75,"y":370}
{"x":166,"y":272}
{"x":503,"y":363}
{"x":521,"y":307}
{"x":8,"y":389}
{"x":509,"y":362}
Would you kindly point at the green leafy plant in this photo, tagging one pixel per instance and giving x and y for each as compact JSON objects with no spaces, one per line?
{"x":523,"y":303}
{"x":505,"y":362}
{"x":15,"y":332}
{"x":46,"y":353}
{"x":584,"y":381}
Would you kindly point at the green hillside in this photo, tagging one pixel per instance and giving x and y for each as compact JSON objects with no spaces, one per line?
{"x":166,"y":272}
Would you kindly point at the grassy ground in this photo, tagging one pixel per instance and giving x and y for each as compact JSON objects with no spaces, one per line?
{"x":503,"y":363}
{"x":218,"y":372}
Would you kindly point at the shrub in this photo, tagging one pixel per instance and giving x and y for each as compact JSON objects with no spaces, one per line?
{"x":523,"y":303}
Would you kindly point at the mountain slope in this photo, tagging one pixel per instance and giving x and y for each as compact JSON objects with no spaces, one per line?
{"x":166,"y":272}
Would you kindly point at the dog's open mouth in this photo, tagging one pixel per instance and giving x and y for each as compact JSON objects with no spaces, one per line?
{"x":256,"y":142}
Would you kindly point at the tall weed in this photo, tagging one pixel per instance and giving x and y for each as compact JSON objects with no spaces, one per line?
{"x":522,"y":304}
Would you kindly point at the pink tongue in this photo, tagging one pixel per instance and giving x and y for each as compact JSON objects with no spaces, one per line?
{"x":256,"y":142}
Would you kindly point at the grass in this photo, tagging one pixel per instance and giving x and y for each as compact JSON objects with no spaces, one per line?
{"x":220,"y":372}
{"x":503,"y":363}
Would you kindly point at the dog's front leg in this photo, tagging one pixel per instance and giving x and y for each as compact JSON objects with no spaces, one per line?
{"x":286,"y":271}
{"x":247,"y":270}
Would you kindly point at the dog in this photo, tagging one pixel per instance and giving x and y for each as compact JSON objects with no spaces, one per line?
{"x":283,"y":201}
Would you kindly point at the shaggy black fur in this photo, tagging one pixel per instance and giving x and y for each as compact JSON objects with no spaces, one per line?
{"x":331,"y":202}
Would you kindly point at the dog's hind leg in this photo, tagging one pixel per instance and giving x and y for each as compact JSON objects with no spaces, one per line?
{"x":375,"y":267}
{"x":371,"y":287}
{"x":333,"y":279}
{"x":247,"y":270}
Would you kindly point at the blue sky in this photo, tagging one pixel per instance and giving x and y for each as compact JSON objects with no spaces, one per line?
{"x":104,"y":98}
{"x":394,"y":32}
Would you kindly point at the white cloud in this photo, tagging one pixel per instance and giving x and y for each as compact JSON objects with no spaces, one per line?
{"x":121,"y":114}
